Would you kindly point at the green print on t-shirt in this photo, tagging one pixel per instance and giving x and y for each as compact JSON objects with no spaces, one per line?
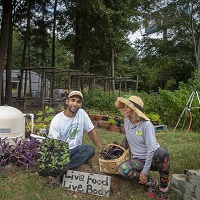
{"x":73,"y":131}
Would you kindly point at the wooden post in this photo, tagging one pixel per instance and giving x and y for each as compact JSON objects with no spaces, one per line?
{"x":113,"y":70}
{"x":120,"y":87}
{"x":43,"y":87}
{"x":94,"y":82}
{"x":137,"y":83}
{"x":69,"y":86}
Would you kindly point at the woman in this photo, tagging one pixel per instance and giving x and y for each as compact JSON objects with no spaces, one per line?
{"x":146,"y":152}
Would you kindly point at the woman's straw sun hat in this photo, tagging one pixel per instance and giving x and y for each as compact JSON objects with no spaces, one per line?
{"x":134,"y":102}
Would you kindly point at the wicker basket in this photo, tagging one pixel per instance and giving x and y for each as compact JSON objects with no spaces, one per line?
{"x":111,"y":166}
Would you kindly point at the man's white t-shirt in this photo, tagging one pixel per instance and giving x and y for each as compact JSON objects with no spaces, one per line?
{"x":70,"y":129}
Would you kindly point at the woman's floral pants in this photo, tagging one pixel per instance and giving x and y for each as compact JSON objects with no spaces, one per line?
{"x":131,"y":168}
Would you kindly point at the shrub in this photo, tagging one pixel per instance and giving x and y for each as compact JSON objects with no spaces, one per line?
{"x":100,"y":101}
{"x":169,"y":105}
{"x":154,"y":117}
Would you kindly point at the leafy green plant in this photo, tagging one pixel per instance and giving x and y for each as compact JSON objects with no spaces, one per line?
{"x":38,"y":126}
{"x":91,"y":111}
{"x":54,"y":157}
{"x":43,"y":120}
{"x":154,"y":117}
{"x":46,"y":115}
{"x":112,"y":121}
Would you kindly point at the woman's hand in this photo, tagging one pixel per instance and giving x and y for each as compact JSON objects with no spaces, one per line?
{"x":143,"y":178}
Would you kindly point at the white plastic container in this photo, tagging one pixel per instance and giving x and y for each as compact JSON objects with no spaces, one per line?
{"x":12,"y":124}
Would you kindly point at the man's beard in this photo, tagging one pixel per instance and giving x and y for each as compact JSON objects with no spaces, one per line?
{"x":71,"y":110}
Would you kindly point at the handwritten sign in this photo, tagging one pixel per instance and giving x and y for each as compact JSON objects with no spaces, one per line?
{"x":89,"y":183}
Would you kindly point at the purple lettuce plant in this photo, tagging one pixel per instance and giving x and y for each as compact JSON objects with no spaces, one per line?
{"x":25,"y":152}
{"x":4,"y":152}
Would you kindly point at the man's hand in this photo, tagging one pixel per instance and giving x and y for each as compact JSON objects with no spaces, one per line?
{"x":143,"y":178}
{"x":101,"y":152}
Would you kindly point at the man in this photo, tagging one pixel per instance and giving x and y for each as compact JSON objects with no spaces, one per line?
{"x":69,"y":126}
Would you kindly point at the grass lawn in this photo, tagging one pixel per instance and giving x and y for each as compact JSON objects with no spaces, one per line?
{"x":17,"y":184}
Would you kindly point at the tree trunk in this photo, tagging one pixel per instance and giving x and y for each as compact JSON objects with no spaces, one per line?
{"x":8,"y":91}
{"x":26,"y":37}
{"x":43,"y":77}
{"x":29,"y":51}
{"x":5,"y":25}
{"x":19,"y":95}
{"x":25,"y":85}
{"x":30,"y":82}
{"x":198,"y":55}
{"x":53,"y":51}
{"x":78,"y":51}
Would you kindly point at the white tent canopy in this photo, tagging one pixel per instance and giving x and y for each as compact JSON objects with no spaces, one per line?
{"x":35,"y":83}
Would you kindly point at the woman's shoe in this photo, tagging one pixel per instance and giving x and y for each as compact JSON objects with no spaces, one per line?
{"x":153,"y":184}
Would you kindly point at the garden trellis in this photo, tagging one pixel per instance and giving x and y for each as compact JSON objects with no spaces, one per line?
{"x":66,"y":80}
{"x":188,"y":107}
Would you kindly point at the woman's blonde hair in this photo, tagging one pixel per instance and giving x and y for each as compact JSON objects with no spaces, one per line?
{"x":138,"y":118}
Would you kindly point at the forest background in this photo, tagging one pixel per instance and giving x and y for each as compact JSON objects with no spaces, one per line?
{"x":93,"y":37}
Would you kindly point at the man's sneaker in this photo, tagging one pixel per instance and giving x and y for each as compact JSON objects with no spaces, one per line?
{"x":162,"y":196}
{"x":153,"y":184}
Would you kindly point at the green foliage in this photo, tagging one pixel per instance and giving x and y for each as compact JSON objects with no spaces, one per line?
{"x":54,"y":156}
{"x":39,"y":126}
{"x":99,"y":100}
{"x":46,"y":115}
{"x":43,"y":119}
{"x":154,"y":117}
{"x":170,"y":105}
{"x":171,"y":59}
{"x":112,"y":121}
{"x":158,"y":62}
{"x":165,"y":105}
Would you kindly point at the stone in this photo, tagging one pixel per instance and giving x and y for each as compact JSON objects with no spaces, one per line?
{"x":188,"y":197}
{"x":187,"y":185}
{"x":197,"y":191}
{"x":189,"y":189}
{"x":178,"y":181}
{"x":178,"y":192}
{"x":193,"y":176}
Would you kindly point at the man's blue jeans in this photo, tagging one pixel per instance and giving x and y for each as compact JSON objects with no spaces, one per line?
{"x":80,"y":155}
